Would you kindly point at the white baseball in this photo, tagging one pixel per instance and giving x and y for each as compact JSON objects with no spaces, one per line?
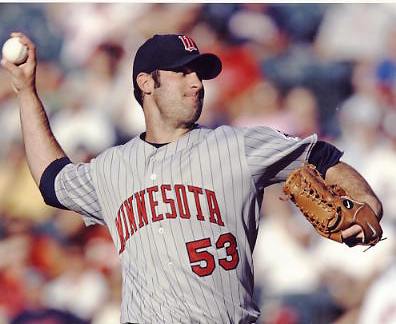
{"x":14,"y":51}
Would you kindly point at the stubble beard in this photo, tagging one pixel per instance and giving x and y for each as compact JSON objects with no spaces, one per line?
{"x":196,"y":115}
{"x":197,"y":109}
{"x":183,"y":114}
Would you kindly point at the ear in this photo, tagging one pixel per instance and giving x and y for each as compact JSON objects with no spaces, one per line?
{"x":145,"y":82}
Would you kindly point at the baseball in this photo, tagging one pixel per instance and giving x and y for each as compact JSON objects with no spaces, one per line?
{"x":14,"y":51}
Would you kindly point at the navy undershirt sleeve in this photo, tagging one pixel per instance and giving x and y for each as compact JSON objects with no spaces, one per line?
{"x":324,"y":155}
{"x":47,"y":182}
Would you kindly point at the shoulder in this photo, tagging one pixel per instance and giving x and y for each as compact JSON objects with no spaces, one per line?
{"x":219,"y":133}
{"x":259,"y":132}
{"x":220,"y":130}
{"x":117,"y":151}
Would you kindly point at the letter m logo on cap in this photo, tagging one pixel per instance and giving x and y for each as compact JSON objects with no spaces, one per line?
{"x":188,"y":43}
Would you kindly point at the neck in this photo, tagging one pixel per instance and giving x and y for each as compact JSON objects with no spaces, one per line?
{"x":162,"y":134}
{"x":163,"y":130}
{"x":164,"y":125}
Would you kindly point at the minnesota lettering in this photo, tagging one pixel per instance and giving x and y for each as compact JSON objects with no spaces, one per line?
{"x":178,"y":198}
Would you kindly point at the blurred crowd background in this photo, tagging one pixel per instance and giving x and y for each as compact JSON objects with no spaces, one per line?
{"x":301,"y":68}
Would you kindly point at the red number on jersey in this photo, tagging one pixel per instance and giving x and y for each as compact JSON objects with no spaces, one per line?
{"x":196,"y":256}
{"x":231,"y":250}
{"x":227,"y":241}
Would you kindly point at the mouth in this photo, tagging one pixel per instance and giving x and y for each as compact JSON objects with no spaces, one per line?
{"x":197,"y":95}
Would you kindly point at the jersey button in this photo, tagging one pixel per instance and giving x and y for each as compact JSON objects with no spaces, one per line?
{"x":161,"y":230}
{"x":153,"y":176}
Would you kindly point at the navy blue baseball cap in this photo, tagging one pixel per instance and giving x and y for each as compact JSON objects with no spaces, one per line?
{"x":167,"y":52}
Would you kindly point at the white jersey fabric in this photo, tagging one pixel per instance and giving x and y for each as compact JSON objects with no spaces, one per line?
{"x":184,"y":217}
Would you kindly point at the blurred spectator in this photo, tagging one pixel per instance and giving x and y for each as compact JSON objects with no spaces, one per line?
{"x":386,"y":69}
{"x":301,"y":104}
{"x":79,"y":126}
{"x":288,"y":278}
{"x":299,"y":22}
{"x":261,"y":106}
{"x":19,"y":195}
{"x":218,"y":16}
{"x":379,"y":172}
{"x":164,"y":15}
{"x":360,"y":118}
{"x":252,"y":24}
{"x":14,"y":251}
{"x":31,"y":18}
{"x":351,"y":32}
{"x":92,"y":24}
{"x":379,"y":305}
{"x":9,"y":117}
{"x":360,"y":121}
{"x":240,"y":72}
{"x":35,"y":311}
{"x":299,"y":66}
{"x":79,"y":289}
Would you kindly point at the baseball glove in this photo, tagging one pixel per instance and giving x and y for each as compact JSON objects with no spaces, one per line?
{"x":329,"y":208}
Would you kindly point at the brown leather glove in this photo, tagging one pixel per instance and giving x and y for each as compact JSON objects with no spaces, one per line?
{"x":329,"y":208}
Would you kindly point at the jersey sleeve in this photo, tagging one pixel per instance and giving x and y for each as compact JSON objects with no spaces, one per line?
{"x":75,"y":190}
{"x":271,"y":155}
{"x":324,"y":155}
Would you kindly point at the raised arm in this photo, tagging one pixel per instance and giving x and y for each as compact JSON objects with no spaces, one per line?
{"x":40,"y":144}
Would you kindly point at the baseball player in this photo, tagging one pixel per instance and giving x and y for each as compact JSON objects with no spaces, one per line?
{"x":180,"y":201}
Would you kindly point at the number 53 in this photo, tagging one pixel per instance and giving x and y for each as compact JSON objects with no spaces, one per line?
{"x":226,"y":240}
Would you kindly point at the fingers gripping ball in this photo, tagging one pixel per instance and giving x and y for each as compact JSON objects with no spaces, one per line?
{"x":14,"y":51}
{"x":329,"y":208}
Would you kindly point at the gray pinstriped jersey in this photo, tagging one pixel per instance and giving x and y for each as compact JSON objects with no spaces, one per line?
{"x":184,"y":218}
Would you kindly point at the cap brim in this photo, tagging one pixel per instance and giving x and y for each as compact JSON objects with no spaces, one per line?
{"x":208,"y":65}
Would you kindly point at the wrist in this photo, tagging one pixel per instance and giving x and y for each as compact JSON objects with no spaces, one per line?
{"x":26,"y":92}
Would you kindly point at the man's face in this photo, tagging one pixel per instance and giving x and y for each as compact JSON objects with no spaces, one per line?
{"x":180,"y":95}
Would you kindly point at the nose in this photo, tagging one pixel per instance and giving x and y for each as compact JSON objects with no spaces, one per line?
{"x":195,"y":81}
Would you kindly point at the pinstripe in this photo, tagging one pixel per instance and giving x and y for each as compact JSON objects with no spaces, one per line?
{"x":165,"y":242}
{"x":183,"y":180}
{"x":225,"y":202}
{"x":181,"y":229}
{"x":235,"y":164}
{"x":200,"y":168}
{"x":138,"y":259}
{"x":73,"y":185}
{"x":139,"y":240}
{"x":242,"y":237}
{"x":121,"y":157}
{"x":157,"y":253}
{"x":133,"y":177}
{"x":147,"y":241}
{"x":213,"y":186}
{"x":127,"y":190}
{"x":252,"y":196}
{"x":108,"y":194}
{"x":201,"y":184}
{"x":233,"y":188}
